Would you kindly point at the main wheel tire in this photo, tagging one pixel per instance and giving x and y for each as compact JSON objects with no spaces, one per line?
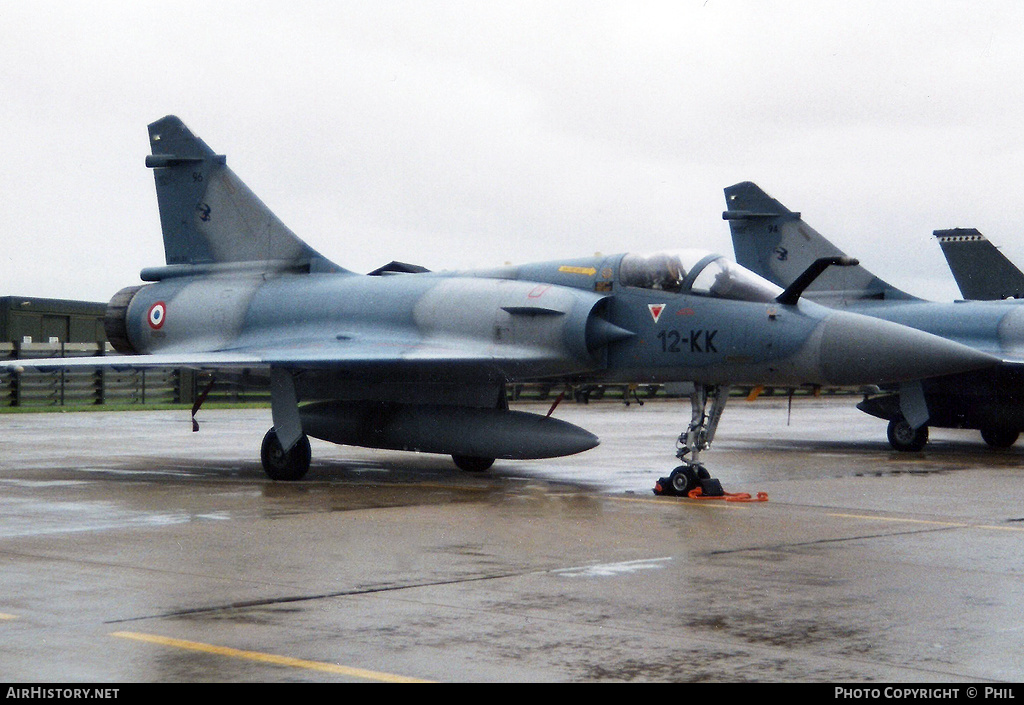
{"x":472,"y":464}
{"x":286,"y":467}
{"x":1000,"y":437}
{"x":905,"y":438}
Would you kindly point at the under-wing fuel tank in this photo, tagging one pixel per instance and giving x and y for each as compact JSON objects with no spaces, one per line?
{"x":455,"y":430}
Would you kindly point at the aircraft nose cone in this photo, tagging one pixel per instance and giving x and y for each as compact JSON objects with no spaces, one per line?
{"x":857,"y":350}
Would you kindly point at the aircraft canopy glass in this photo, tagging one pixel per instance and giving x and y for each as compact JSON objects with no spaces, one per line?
{"x":695,"y":272}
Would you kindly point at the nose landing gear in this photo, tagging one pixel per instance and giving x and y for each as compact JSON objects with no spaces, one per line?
{"x":706,"y":406}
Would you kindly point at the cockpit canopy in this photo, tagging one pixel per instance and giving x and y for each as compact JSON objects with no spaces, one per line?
{"x":695,"y":272}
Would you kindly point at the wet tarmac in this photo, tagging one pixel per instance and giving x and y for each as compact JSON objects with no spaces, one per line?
{"x":133,"y":550}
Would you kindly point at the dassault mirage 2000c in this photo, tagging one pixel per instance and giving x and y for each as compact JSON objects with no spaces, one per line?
{"x":409,"y":359}
{"x":776,"y":243}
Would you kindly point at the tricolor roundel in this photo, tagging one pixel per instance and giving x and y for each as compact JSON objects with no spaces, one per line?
{"x":157,"y":314}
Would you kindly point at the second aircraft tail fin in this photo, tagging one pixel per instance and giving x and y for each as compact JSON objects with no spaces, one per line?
{"x":209,"y":216}
{"x":777,"y":244}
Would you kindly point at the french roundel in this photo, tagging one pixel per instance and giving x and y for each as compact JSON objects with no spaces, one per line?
{"x":157,"y":314}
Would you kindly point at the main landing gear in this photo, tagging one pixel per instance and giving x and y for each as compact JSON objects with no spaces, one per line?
{"x":1000,"y":437}
{"x":904,"y":437}
{"x":279,"y":465}
{"x":294,"y":464}
{"x":706,"y":404}
{"x":471,"y":463}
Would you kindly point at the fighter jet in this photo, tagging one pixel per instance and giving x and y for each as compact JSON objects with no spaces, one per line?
{"x":776,"y":243}
{"x":416,"y":360}
{"x":982,"y":272}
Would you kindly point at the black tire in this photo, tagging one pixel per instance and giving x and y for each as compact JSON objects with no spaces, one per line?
{"x":1000,"y":437}
{"x":683,"y":479}
{"x":472,"y":464}
{"x":285,"y":467}
{"x":905,"y":438}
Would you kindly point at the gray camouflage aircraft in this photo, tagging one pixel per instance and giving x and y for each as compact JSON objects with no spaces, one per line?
{"x":982,"y":272}
{"x":409,"y":359}
{"x":776,"y":243}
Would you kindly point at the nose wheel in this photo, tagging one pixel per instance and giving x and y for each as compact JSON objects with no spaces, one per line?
{"x":687,"y":477}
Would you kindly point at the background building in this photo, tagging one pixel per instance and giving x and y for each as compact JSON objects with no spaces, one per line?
{"x":56,"y":321}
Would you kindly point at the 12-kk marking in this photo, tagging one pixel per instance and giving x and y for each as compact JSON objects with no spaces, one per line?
{"x":698,"y":341}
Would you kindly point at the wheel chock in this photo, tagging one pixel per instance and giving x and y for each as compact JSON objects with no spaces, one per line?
{"x":711,"y":487}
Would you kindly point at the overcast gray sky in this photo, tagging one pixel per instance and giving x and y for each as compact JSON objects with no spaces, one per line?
{"x":462,"y":134}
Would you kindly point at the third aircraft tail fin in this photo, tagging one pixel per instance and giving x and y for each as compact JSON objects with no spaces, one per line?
{"x":776,"y":243}
{"x":982,"y":272}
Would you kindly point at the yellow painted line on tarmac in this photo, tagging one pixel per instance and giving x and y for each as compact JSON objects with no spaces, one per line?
{"x":931,"y":522}
{"x":738,"y":505}
{"x":7,"y":616}
{"x":267,"y":658}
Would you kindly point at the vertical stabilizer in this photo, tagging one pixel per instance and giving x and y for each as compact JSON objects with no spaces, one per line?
{"x":209,"y":216}
{"x":982,"y":272}
{"x":776,"y":243}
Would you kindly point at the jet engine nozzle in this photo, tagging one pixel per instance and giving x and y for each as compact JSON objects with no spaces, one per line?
{"x":115,"y":321}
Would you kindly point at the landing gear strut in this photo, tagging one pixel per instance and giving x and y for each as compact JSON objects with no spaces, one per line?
{"x":706,"y":406}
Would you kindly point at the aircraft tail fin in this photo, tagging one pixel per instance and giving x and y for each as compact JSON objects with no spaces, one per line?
{"x":209,"y":216}
{"x":982,"y":272}
{"x":775,"y":242}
